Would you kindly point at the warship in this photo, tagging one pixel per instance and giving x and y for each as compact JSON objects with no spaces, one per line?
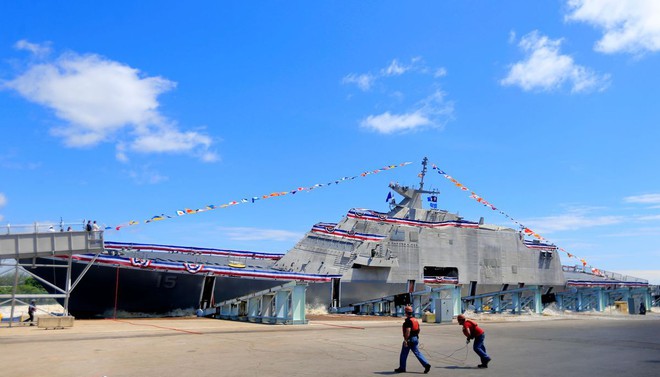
{"x":367,"y":254}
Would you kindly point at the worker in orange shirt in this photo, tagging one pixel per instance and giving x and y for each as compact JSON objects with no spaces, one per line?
{"x":472,"y":331}
{"x":410,"y":342}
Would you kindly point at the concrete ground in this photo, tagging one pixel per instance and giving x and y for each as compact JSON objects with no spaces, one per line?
{"x":358,"y":346}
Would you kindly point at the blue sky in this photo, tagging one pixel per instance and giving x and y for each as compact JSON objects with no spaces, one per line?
{"x":125,"y":110}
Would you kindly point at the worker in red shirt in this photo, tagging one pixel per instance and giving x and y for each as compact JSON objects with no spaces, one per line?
{"x":410,"y":342}
{"x":472,"y":331}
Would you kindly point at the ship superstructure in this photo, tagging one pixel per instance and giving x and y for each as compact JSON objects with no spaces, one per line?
{"x":380,"y":253}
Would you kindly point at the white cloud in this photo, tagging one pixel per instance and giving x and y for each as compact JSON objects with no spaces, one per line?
{"x":366,"y":81}
{"x":643,"y":199}
{"x":363,"y":81}
{"x":39,"y":50}
{"x":120,"y":153}
{"x":653,"y":276}
{"x":440,"y":72}
{"x":546,"y":69}
{"x":631,"y":26}
{"x":649,"y":218}
{"x":394,"y":69}
{"x":167,"y":139}
{"x":145,"y":175}
{"x":387,"y":123}
{"x":255,"y":234}
{"x":574,"y":220}
{"x":432,"y":112}
{"x":106,"y":101}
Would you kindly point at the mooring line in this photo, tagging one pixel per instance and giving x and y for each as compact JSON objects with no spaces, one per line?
{"x":160,"y":327}
{"x":343,"y":326}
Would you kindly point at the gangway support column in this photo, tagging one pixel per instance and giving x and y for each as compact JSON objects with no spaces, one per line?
{"x":281,"y":306}
{"x":600,"y":297}
{"x":253,"y":308}
{"x":478,"y":305}
{"x":417,"y":306}
{"x":457,"y":299}
{"x":560,"y":301}
{"x":267,"y":308}
{"x":538,"y":304}
{"x":515,"y":299}
{"x":496,"y":305}
{"x":647,"y":299}
{"x":434,"y":298}
{"x":298,"y":304}
{"x":578,"y":301}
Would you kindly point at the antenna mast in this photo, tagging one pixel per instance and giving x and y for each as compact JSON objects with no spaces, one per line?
{"x":422,"y":174}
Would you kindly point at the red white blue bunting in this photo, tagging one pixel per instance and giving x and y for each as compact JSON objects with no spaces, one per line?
{"x":137,"y":262}
{"x":330,"y":229}
{"x":153,"y":248}
{"x":440,"y":280}
{"x":193,"y":268}
{"x":605,"y":283}
{"x":369,"y":215}
{"x":212,"y":270}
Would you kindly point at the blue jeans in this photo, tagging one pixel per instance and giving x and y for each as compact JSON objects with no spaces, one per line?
{"x":480,"y":348}
{"x":413,"y":341}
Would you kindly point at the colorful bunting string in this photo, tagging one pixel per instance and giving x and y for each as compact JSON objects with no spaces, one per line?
{"x":188,"y":211}
{"x":526,"y":231}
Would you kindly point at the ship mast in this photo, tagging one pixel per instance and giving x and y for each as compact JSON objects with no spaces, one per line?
{"x":412,"y":198}
{"x":422,"y":174}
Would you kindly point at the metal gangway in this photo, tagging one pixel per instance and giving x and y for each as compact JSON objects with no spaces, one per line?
{"x":34,"y":243}
{"x":284,"y":304}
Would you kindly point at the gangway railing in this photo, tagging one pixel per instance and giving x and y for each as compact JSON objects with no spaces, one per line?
{"x":24,"y":248}
{"x":284,"y":304}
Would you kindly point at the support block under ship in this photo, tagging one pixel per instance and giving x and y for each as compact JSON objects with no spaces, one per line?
{"x":366,"y":255}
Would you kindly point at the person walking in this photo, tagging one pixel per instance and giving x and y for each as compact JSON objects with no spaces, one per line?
{"x":410,"y":342}
{"x":472,"y":331}
{"x":31,"y":310}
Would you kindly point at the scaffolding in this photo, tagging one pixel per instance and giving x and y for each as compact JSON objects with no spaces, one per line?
{"x":25,"y":248}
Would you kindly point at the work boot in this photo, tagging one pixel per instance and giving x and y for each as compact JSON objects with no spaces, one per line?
{"x":486,"y":363}
{"x":427,"y":368}
{"x":399,"y":370}
{"x":482,"y":366}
